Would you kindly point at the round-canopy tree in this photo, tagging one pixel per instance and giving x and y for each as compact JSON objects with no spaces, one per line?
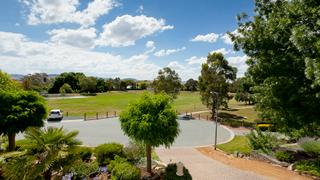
{"x":152,"y":121}
{"x":18,"y":111}
{"x":167,"y":81}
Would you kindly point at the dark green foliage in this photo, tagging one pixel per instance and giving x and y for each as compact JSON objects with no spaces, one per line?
{"x":167,"y":81}
{"x":65,"y":88}
{"x":309,"y":166}
{"x":85,"y":153}
{"x":237,"y":123}
{"x":284,"y":156}
{"x":88,"y":84}
{"x":171,"y":170}
{"x":262,"y":141}
{"x":106,"y":152}
{"x":282,"y":45}
{"x":214,"y":76}
{"x":123,"y":170}
{"x":245,"y":91}
{"x":73,"y":79}
{"x":101,"y":85}
{"x":191,"y":85}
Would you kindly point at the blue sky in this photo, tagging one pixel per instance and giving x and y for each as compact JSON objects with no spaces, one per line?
{"x":117,"y":38}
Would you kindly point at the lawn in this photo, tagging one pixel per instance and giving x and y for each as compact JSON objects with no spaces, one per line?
{"x":117,"y":101}
{"x":238,"y":143}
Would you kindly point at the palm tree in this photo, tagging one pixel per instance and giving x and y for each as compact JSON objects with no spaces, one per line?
{"x":48,"y":150}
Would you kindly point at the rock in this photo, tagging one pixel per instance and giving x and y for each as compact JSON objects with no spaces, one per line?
{"x":290,"y":167}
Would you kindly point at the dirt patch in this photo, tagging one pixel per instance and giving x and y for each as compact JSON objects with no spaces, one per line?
{"x":263,"y":168}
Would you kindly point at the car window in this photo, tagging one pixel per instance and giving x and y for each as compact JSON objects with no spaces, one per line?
{"x":54,"y":112}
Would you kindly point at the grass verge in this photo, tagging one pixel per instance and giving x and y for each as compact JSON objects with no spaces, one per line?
{"x":238,"y":143}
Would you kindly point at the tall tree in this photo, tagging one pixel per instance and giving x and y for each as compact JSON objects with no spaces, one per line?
{"x":213,"y":81}
{"x":36,"y":82}
{"x":152,"y":121}
{"x":18,"y":111}
{"x":282,"y":43}
{"x":191,"y":85}
{"x":167,"y":81}
{"x":88,"y":84}
{"x":101,"y":85}
{"x":245,"y":90}
{"x":48,"y":150}
{"x":73,"y":79}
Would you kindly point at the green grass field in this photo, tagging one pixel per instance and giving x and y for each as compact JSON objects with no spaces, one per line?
{"x":238,"y":143}
{"x":117,"y":101}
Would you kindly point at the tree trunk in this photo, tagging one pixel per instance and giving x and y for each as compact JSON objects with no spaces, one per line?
{"x":12,"y":141}
{"x":47,"y":175}
{"x":148,"y":153}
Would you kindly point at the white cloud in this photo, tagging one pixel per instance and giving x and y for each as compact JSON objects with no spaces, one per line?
{"x":82,"y":38}
{"x":30,"y":57}
{"x":240,"y":63}
{"x":224,"y":51}
{"x":140,"y":9}
{"x":185,"y":71}
{"x":126,"y":29}
{"x":196,"y":60}
{"x":211,"y":38}
{"x":65,"y":11}
{"x":150,"y":44}
{"x":166,"y":52}
{"x":226,"y":38}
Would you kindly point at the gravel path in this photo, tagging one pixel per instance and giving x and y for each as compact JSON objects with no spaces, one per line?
{"x":204,"y":168}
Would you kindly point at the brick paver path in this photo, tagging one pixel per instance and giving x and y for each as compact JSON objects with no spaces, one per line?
{"x":204,"y":168}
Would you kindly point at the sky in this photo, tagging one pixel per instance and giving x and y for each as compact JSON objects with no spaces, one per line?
{"x":117,"y":38}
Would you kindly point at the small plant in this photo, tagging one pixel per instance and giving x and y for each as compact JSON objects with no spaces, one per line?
{"x":311,"y":166}
{"x":171,"y":170}
{"x":122,"y":170}
{"x":310,"y":146}
{"x":106,"y":152}
{"x":284,"y":156}
{"x":263,"y":141}
{"x":84,"y":169}
{"x":85,"y":153}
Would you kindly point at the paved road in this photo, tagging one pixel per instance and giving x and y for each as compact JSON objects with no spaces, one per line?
{"x":202,"y":167}
{"x":95,"y":132}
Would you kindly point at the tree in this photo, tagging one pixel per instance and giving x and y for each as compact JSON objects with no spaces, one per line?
{"x":18,"y":111}
{"x":36,"y":82}
{"x":282,"y":45}
{"x":215,"y":74}
{"x":101,"y":85}
{"x":167,"y":81}
{"x":88,"y":84}
{"x":152,"y":121}
{"x":6,"y":83}
{"x":123,"y":85}
{"x":73,"y":79}
{"x":109,"y":84}
{"x":143,"y":85}
{"x":66,"y":88}
{"x":46,"y":151}
{"x":245,"y":90}
{"x":191,"y":85}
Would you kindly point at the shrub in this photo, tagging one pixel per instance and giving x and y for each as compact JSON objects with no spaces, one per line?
{"x":284,"y":156}
{"x":85,"y":153}
{"x":311,"y":166}
{"x":171,"y":170}
{"x":264,"y":142}
{"x":310,"y":146}
{"x":106,"y":152}
{"x":123,"y":170}
{"x":134,"y":151}
{"x":65,"y":88}
{"x":113,"y":163}
{"x":84,"y":169}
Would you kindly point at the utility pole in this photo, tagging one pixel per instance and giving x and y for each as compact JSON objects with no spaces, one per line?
{"x":215,"y":109}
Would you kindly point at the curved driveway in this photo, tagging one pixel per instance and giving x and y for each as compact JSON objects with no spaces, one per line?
{"x":95,"y":132}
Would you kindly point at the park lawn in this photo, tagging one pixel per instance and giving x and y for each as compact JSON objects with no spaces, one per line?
{"x":118,"y":101}
{"x":238,"y":143}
